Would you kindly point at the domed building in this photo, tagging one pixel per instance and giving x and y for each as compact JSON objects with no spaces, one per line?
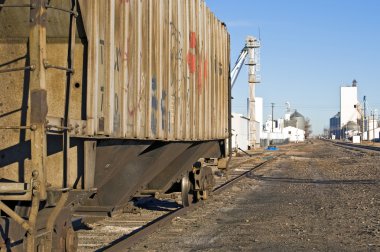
{"x":351,"y":126}
{"x":296,"y":120}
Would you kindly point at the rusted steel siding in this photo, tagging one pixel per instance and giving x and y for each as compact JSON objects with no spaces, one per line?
{"x":156,"y":70}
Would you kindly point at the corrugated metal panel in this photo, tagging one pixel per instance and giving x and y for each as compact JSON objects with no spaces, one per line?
{"x":144,"y":69}
{"x":157,"y":70}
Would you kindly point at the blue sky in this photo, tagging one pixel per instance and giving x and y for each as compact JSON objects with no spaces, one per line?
{"x":309,"y":49}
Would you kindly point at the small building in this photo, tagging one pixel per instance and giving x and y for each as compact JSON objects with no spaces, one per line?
{"x":241,"y":127}
{"x":350,"y":129}
{"x":294,"y":134}
{"x":373,"y":132}
{"x":240,"y":134}
{"x":259,"y":118}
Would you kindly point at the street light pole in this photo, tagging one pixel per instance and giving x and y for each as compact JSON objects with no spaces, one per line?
{"x":374,"y":131}
{"x":373,"y":126}
{"x":272,"y":115}
{"x":365,"y":120}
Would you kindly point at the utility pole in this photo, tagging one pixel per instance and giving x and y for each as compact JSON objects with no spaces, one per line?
{"x":272,"y":115}
{"x":373,"y":126}
{"x":365,"y":124}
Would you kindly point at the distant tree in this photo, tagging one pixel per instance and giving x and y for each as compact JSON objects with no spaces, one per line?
{"x":308,"y":130}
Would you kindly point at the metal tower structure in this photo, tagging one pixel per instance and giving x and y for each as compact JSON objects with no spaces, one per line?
{"x":251,"y":51}
{"x":253,"y":47}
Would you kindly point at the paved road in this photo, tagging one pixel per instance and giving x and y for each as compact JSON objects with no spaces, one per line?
{"x":317,"y":197}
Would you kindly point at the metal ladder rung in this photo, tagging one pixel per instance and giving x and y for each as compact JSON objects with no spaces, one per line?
{"x":14,"y":188}
{"x":48,"y":65}
{"x":31,"y":68}
{"x":17,"y":5}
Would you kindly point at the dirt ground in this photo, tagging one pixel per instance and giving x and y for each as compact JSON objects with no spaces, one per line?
{"x":316,"y":197}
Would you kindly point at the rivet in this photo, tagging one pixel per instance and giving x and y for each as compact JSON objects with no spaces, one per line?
{"x":35,"y":174}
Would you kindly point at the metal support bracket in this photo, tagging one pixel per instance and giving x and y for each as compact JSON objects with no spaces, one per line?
{"x":47,"y":65}
{"x":74,"y":13}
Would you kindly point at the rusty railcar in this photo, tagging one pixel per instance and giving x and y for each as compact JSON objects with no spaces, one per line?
{"x":102,"y":100}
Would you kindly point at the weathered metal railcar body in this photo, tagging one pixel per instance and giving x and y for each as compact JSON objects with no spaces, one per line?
{"x":101,"y":100}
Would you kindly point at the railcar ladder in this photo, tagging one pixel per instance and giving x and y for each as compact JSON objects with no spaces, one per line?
{"x":36,"y":189}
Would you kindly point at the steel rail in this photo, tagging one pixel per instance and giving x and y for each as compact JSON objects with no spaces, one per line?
{"x":231,"y":182}
{"x":356,"y":146}
{"x":127,"y":241}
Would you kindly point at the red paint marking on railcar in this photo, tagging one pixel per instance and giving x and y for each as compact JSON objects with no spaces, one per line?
{"x":191,"y":62}
{"x":197,"y":65}
{"x":200,"y":77}
{"x":205,"y":69}
{"x":193,"y":40}
{"x":191,"y":54}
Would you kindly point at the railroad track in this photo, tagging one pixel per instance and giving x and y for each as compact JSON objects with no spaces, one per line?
{"x":356,"y":146}
{"x":123,"y":230}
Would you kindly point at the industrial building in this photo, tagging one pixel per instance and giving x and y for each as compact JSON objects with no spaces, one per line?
{"x":346,"y":119}
{"x":373,"y":132}
{"x":335,"y":131}
{"x":240,"y":127}
{"x":291,"y":128}
{"x":349,"y":105}
{"x":351,"y":120}
{"x":259,"y":106}
{"x":240,"y":133}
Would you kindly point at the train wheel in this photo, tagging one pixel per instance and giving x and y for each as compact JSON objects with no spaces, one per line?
{"x":204,"y":182}
{"x":186,"y":195}
{"x":64,"y":237}
{"x":71,"y":240}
